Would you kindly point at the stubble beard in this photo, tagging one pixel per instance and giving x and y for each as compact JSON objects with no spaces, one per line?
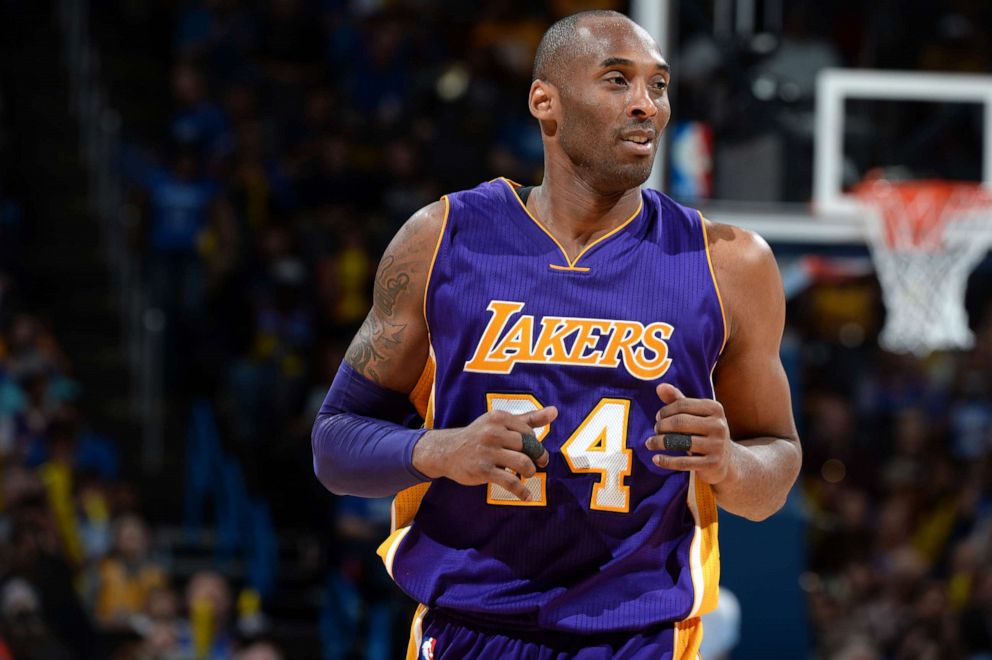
{"x":600,"y":167}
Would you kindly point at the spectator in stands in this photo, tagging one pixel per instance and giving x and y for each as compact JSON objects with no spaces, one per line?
{"x":343,"y":279}
{"x":23,"y":626}
{"x":217,"y":32}
{"x":328,"y":173}
{"x":409,"y":189}
{"x":11,"y":403}
{"x":971,"y":415}
{"x":198,"y":124}
{"x":57,"y":473}
{"x":32,"y":348}
{"x":378,"y":78}
{"x":207,"y":631}
{"x":259,"y":651}
{"x":260,"y":190}
{"x":93,"y":513}
{"x":268,"y":384}
{"x":159,"y":624}
{"x":38,"y":584}
{"x":31,"y":422}
{"x":180,"y":203}
{"x":857,"y":648}
{"x":360,"y":605}
{"x":122,"y":583}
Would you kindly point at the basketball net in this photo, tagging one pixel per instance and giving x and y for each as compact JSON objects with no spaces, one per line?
{"x":925,"y":238}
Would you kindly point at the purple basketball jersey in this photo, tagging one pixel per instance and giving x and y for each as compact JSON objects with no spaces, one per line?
{"x":609,"y":542}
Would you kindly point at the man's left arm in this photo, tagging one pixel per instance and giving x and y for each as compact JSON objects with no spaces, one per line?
{"x":745,"y":442}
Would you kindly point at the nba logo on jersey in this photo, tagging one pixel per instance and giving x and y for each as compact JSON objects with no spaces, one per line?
{"x":427,"y":648}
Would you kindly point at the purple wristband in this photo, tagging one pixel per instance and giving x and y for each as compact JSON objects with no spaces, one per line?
{"x":359,"y":446}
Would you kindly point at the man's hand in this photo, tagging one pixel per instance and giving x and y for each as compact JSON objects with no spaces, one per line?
{"x":704,"y":420}
{"x":483,"y":451}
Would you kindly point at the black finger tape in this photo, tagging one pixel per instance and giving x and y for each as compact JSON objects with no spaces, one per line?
{"x":532,"y":447}
{"x":678,"y":442}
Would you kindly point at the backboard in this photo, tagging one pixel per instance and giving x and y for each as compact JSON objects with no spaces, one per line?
{"x":834,"y":216}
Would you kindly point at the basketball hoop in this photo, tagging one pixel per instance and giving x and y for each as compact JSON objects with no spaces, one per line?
{"x":925,"y":238}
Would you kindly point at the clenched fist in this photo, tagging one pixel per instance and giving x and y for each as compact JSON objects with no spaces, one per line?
{"x":702,"y":419}
{"x":484,"y":451}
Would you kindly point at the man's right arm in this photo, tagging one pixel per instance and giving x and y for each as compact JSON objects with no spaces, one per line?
{"x":391,"y":347}
{"x":359,"y":448}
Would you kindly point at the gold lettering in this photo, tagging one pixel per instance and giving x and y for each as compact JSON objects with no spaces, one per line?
{"x":502,"y":311}
{"x":550,"y":346}
{"x":643,"y":351}
{"x":625,"y":335}
{"x":586,"y":341}
{"x":653,"y":340}
{"x":515,"y":345}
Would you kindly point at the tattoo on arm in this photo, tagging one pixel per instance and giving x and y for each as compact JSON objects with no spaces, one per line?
{"x":389,"y":285}
{"x":382,"y":333}
{"x":392,"y":344}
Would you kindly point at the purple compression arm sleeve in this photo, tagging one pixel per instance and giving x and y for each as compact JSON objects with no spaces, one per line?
{"x":359,"y":445}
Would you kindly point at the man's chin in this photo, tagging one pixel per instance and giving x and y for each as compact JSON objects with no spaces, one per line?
{"x":616,"y":175}
{"x":631,"y":175}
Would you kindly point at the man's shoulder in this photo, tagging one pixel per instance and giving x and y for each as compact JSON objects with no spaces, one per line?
{"x":743,"y":265}
{"x":735,"y":245}
{"x":485,"y":190}
{"x":735,"y":251}
{"x":721,"y":236}
{"x":479,"y":205}
{"x":672,"y":209}
{"x":430,"y":219}
{"x":661,"y":199}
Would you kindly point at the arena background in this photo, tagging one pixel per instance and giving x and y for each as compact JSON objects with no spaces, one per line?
{"x":193,"y":197}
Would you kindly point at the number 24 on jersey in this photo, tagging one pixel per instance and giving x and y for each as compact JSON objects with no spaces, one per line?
{"x":597,"y":446}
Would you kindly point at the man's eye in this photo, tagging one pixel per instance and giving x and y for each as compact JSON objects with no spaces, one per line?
{"x":618,"y":80}
{"x":661,"y":85}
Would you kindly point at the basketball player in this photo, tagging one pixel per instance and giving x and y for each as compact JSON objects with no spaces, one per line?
{"x":637,"y":342}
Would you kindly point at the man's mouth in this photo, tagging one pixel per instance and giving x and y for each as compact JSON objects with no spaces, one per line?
{"x":639,"y":141}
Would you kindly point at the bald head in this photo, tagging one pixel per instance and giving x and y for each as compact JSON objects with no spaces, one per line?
{"x":600,"y":93}
{"x":559,"y":44}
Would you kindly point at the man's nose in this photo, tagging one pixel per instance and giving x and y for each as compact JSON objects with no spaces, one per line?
{"x":641,"y":104}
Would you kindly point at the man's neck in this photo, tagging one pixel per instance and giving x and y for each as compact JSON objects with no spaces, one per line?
{"x":575,"y":213}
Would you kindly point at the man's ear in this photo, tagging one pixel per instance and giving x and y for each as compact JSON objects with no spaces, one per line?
{"x":543,"y":104}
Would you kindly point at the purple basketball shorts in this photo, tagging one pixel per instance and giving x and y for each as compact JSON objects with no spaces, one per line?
{"x":439,"y":635}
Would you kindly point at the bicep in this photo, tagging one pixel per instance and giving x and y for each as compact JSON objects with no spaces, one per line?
{"x":750,"y":380}
{"x":391,"y":347}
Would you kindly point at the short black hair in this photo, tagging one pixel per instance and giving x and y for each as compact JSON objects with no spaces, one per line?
{"x":556,"y":43}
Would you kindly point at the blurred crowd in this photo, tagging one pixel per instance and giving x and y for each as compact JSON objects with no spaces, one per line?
{"x":299,"y":136}
{"x":79,"y":576}
{"x":898,"y":479}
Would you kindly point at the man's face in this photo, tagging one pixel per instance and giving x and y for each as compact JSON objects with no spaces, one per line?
{"x":614,"y":103}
